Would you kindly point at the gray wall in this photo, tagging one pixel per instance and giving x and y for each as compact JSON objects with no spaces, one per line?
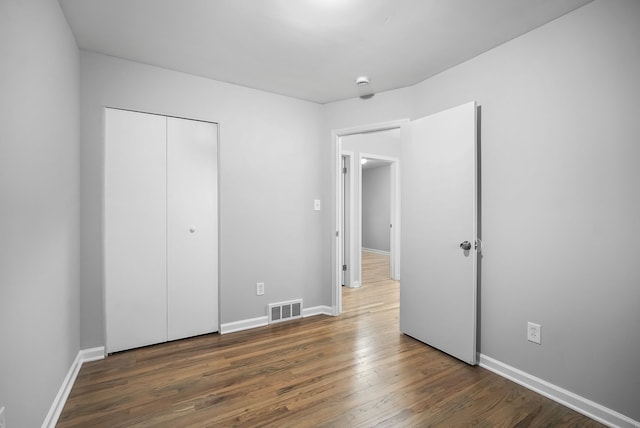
{"x":382,"y":143}
{"x":39,"y":208}
{"x":270,"y":173}
{"x":560,"y":206}
{"x":376,"y":207}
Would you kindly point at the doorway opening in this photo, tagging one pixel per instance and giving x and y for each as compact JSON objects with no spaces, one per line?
{"x":379,"y":208}
{"x":351,"y":147}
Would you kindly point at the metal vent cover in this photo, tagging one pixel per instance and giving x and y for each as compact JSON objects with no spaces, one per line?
{"x":283,"y":311}
{"x":275,"y":313}
{"x":296,"y":309}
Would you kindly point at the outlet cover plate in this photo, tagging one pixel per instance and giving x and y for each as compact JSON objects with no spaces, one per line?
{"x":534,"y":332}
{"x":260,"y":288}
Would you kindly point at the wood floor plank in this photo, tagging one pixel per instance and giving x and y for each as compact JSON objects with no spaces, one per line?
{"x":355,"y":370}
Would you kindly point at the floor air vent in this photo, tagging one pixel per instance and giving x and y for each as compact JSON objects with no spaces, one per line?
{"x":284,"y":311}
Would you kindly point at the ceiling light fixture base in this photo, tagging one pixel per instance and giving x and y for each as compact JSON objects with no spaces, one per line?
{"x":362,"y":81}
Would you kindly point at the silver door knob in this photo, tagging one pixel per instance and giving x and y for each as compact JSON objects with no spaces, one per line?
{"x":466,"y":245}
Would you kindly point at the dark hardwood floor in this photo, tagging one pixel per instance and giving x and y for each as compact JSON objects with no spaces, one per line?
{"x":356,"y":370}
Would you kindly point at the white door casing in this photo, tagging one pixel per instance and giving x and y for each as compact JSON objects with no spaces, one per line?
{"x":348,"y":256}
{"x":439,"y":211}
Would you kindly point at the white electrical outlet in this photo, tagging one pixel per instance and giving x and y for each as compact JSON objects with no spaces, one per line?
{"x":533,"y":332}
{"x":3,"y":422}
{"x":260,"y":288}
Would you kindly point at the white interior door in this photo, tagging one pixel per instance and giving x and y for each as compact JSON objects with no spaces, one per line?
{"x":439,"y":212}
{"x":192,"y":224}
{"x":135,"y":229}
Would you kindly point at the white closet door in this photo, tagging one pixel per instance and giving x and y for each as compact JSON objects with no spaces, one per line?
{"x":135,"y":229}
{"x":192,"y":225}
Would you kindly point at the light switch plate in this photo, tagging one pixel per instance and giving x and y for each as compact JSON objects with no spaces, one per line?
{"x":316,"y":204}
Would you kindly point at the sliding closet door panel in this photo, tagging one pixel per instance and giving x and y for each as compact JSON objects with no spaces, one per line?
{"x":135,"y":229}
{"x":192,"y":218}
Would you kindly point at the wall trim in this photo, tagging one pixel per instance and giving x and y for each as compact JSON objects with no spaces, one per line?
{"x":354,"y":284}
{"x":317,"y":310}
{"x":232,"y":327}
{"x":560,"y":395}
{"x":93,"y":354}
{"x":84,"y":356}
{"x":373,"y":250}
{"x":235,"y":326}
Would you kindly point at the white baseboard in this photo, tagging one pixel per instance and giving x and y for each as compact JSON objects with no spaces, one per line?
{"x":373,"y":250}
{"x":92,"y":354}
{"x":567,"y":398}
{"x":235,"y":326}
{"x":354,"y":284}
{"x":232,"y":327}
{"x":84,"y":355}
{"x":317,"y":310}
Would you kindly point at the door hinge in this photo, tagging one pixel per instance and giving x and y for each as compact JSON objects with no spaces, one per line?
{"x":344,"y":267}
{"x":344,"y":170}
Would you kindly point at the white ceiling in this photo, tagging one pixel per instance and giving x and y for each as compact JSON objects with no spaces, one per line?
{"x":308,"y":49}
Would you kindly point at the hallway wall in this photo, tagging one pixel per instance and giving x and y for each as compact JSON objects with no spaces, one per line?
{"x":376,"y":208}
